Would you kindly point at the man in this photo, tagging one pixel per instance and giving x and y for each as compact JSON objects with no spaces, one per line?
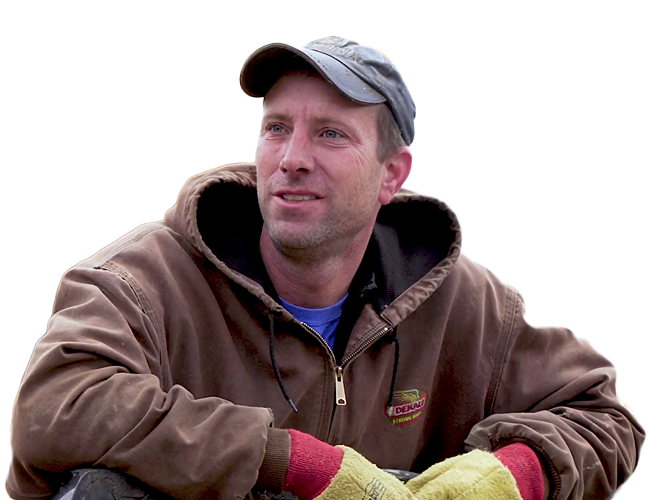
{"x":290,"y":324}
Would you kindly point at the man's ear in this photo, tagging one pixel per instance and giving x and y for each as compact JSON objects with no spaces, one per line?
{"x":396,"y":169}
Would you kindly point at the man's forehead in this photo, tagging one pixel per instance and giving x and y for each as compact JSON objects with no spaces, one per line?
{"x":320,"y":117}
{"x":312,"y":116}
{"x":303,"y":87}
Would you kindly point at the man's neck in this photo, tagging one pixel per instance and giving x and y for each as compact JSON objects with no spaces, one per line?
{"x":311,"y":282}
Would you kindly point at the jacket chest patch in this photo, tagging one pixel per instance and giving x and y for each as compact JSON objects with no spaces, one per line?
{"x":407,"y":408}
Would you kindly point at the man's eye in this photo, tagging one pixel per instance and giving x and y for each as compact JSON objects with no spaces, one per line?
{"x":332,"y":134}
{"x":276,"y":129}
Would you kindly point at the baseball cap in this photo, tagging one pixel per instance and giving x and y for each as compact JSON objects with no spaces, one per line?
{"x":362,"y":74}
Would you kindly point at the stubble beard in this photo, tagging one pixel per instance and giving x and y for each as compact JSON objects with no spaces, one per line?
{"x":326,"y":239}
{"x":332,"y":236}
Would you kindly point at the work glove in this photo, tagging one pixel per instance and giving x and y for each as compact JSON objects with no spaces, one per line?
{"x":480,"y":475}
{"x":320,"y":471}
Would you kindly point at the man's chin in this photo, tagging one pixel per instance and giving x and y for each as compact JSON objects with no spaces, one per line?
{"x":293,"y":241}
{"x":292,"y":236}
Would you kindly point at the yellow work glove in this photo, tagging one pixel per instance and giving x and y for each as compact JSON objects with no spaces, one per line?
{"x":319,"y":471}
{"x":477,"y":475}
{"x":359,"y":479}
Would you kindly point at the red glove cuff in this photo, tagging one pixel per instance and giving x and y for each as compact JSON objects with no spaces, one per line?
{"x":312,"y":465}
{"x":523,"y":464}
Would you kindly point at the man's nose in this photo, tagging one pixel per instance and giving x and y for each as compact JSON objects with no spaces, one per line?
{"x":297,"y":155}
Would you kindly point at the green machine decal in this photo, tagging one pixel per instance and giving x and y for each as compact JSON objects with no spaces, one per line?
{"x":73,"y":186}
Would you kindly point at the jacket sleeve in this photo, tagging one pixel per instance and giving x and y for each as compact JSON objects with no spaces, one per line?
{"x":93,"y":395}
{"x":557,"y":394}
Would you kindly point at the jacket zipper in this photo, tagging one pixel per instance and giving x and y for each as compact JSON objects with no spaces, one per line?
{"x":380,"y":333}
{"x":341,"y":399}
{"x":338,"y":370}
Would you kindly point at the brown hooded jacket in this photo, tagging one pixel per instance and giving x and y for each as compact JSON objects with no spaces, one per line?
{"x":157,"y":361}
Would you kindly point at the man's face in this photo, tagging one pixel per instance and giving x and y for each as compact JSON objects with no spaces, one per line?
{"x":319,"y":179}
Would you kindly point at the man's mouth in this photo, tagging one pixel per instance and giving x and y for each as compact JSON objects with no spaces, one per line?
{"x":298,"y":197}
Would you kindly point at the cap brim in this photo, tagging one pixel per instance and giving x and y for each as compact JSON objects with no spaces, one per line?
{"x":264,"y":66}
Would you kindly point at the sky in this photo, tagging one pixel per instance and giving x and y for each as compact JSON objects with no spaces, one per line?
{"x":554,"y":113}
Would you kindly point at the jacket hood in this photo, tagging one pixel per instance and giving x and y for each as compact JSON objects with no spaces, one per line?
{"x":416,"y":239}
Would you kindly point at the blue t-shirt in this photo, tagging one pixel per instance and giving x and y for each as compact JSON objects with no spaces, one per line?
{"x":324,"y":320}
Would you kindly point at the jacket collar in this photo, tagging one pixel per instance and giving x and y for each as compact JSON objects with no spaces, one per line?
{"x":416,"y":240}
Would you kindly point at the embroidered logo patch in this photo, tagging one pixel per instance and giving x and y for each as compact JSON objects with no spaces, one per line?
{"x":407,"y":407}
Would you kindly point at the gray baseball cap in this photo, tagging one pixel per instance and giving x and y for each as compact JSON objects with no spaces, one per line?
{"x":360,"y":73}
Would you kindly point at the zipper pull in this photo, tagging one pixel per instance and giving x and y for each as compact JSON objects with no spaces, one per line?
{"x":340,"y":388}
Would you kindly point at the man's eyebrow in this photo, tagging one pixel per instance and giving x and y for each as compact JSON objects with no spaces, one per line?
{"x":331,"y":121}
{"x":281,"y":117}
{"x":319,"y":120}
{"x":322,"y":121}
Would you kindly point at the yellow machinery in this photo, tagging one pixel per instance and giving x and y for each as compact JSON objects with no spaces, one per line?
{"x":101,"y":133}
